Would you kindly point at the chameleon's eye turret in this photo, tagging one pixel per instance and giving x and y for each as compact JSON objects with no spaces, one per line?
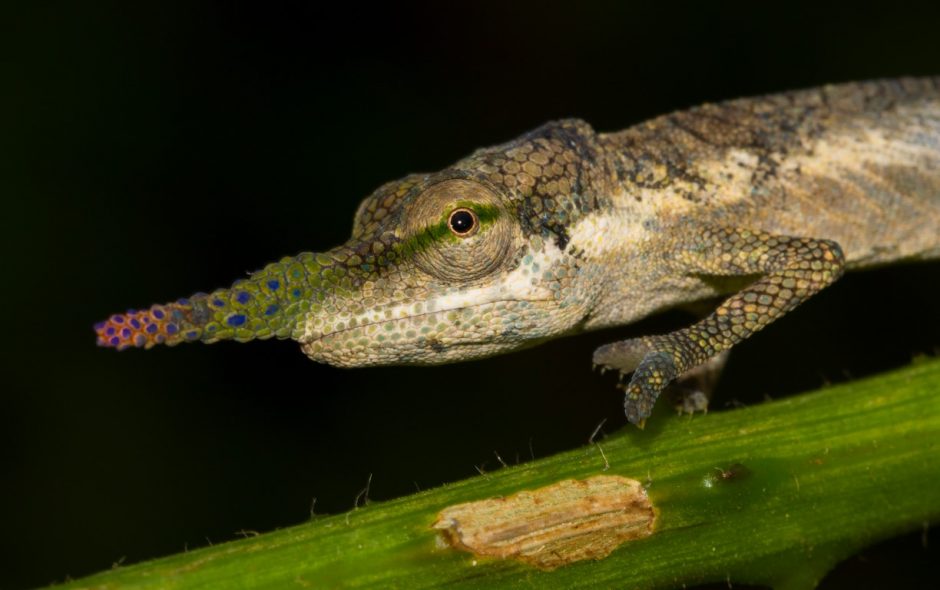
{"x":459,"y":231}
{"x":463,"y":222}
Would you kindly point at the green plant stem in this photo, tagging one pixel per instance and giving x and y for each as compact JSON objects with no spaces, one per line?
{"x":808,"y":481}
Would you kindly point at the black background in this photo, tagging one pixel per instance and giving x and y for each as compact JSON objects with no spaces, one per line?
{"x":150,"y":150}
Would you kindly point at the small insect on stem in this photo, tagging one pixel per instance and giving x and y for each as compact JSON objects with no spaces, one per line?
{"x":734,"y":472}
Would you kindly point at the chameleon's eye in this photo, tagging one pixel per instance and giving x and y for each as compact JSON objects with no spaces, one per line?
{"x":463,"y":222}
{"x":458,"y":231}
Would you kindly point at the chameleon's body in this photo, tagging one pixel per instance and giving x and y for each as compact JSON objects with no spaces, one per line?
{"x":565,"y":229}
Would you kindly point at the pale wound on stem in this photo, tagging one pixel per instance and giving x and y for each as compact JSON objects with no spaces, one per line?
{"x":549,"y":527}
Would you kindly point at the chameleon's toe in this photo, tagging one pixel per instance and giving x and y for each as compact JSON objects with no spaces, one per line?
{"x":623,"y":356}
{"x":655,"y":372}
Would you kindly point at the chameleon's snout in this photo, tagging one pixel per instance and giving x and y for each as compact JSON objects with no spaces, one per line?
{"x":269,"y":303}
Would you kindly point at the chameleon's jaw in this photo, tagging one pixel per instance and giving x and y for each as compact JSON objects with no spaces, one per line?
{"x":434,"y":337}
{"x":436,"y":323}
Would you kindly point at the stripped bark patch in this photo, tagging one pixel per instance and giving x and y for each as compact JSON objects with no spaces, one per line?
{"x":568,"y":521}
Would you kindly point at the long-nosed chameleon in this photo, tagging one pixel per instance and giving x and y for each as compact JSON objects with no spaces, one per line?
{"x":564,"y":230}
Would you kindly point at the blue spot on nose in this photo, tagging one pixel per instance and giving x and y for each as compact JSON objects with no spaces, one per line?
{"x":236,"y":320}
{"x":243,"y":297}
{"x":274,"y":284}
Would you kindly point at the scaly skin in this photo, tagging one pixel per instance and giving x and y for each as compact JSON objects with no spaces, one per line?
{"x":565,"y":229}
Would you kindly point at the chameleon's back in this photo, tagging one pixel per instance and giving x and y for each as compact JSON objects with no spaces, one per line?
{"x":856,"y":163}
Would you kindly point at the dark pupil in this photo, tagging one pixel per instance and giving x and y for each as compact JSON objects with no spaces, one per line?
{"x":461,"y":221}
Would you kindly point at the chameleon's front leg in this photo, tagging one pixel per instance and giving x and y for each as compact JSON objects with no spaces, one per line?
{"x":791,"y":270}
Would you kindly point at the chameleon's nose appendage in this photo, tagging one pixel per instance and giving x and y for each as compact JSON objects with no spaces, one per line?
{"x":244,"y":312}
{"x":161,"y":324}
{"x":267,"y":304}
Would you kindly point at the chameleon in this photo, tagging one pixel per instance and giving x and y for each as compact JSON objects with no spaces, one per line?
{"x":761,"y":201}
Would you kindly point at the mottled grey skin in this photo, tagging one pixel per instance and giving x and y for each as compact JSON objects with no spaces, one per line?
{"x":576,"y":230}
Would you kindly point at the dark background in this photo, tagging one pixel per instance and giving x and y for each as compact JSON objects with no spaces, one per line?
{"x":148,"y":151}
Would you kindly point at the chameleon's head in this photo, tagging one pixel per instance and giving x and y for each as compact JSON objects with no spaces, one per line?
{"x":464,"y":280}
{"x":439,"y":268}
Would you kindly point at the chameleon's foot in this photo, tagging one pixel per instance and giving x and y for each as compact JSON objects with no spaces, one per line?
{"x":652,"y":371}
{"x":792,"y":268}
{"x":649,"y":380}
